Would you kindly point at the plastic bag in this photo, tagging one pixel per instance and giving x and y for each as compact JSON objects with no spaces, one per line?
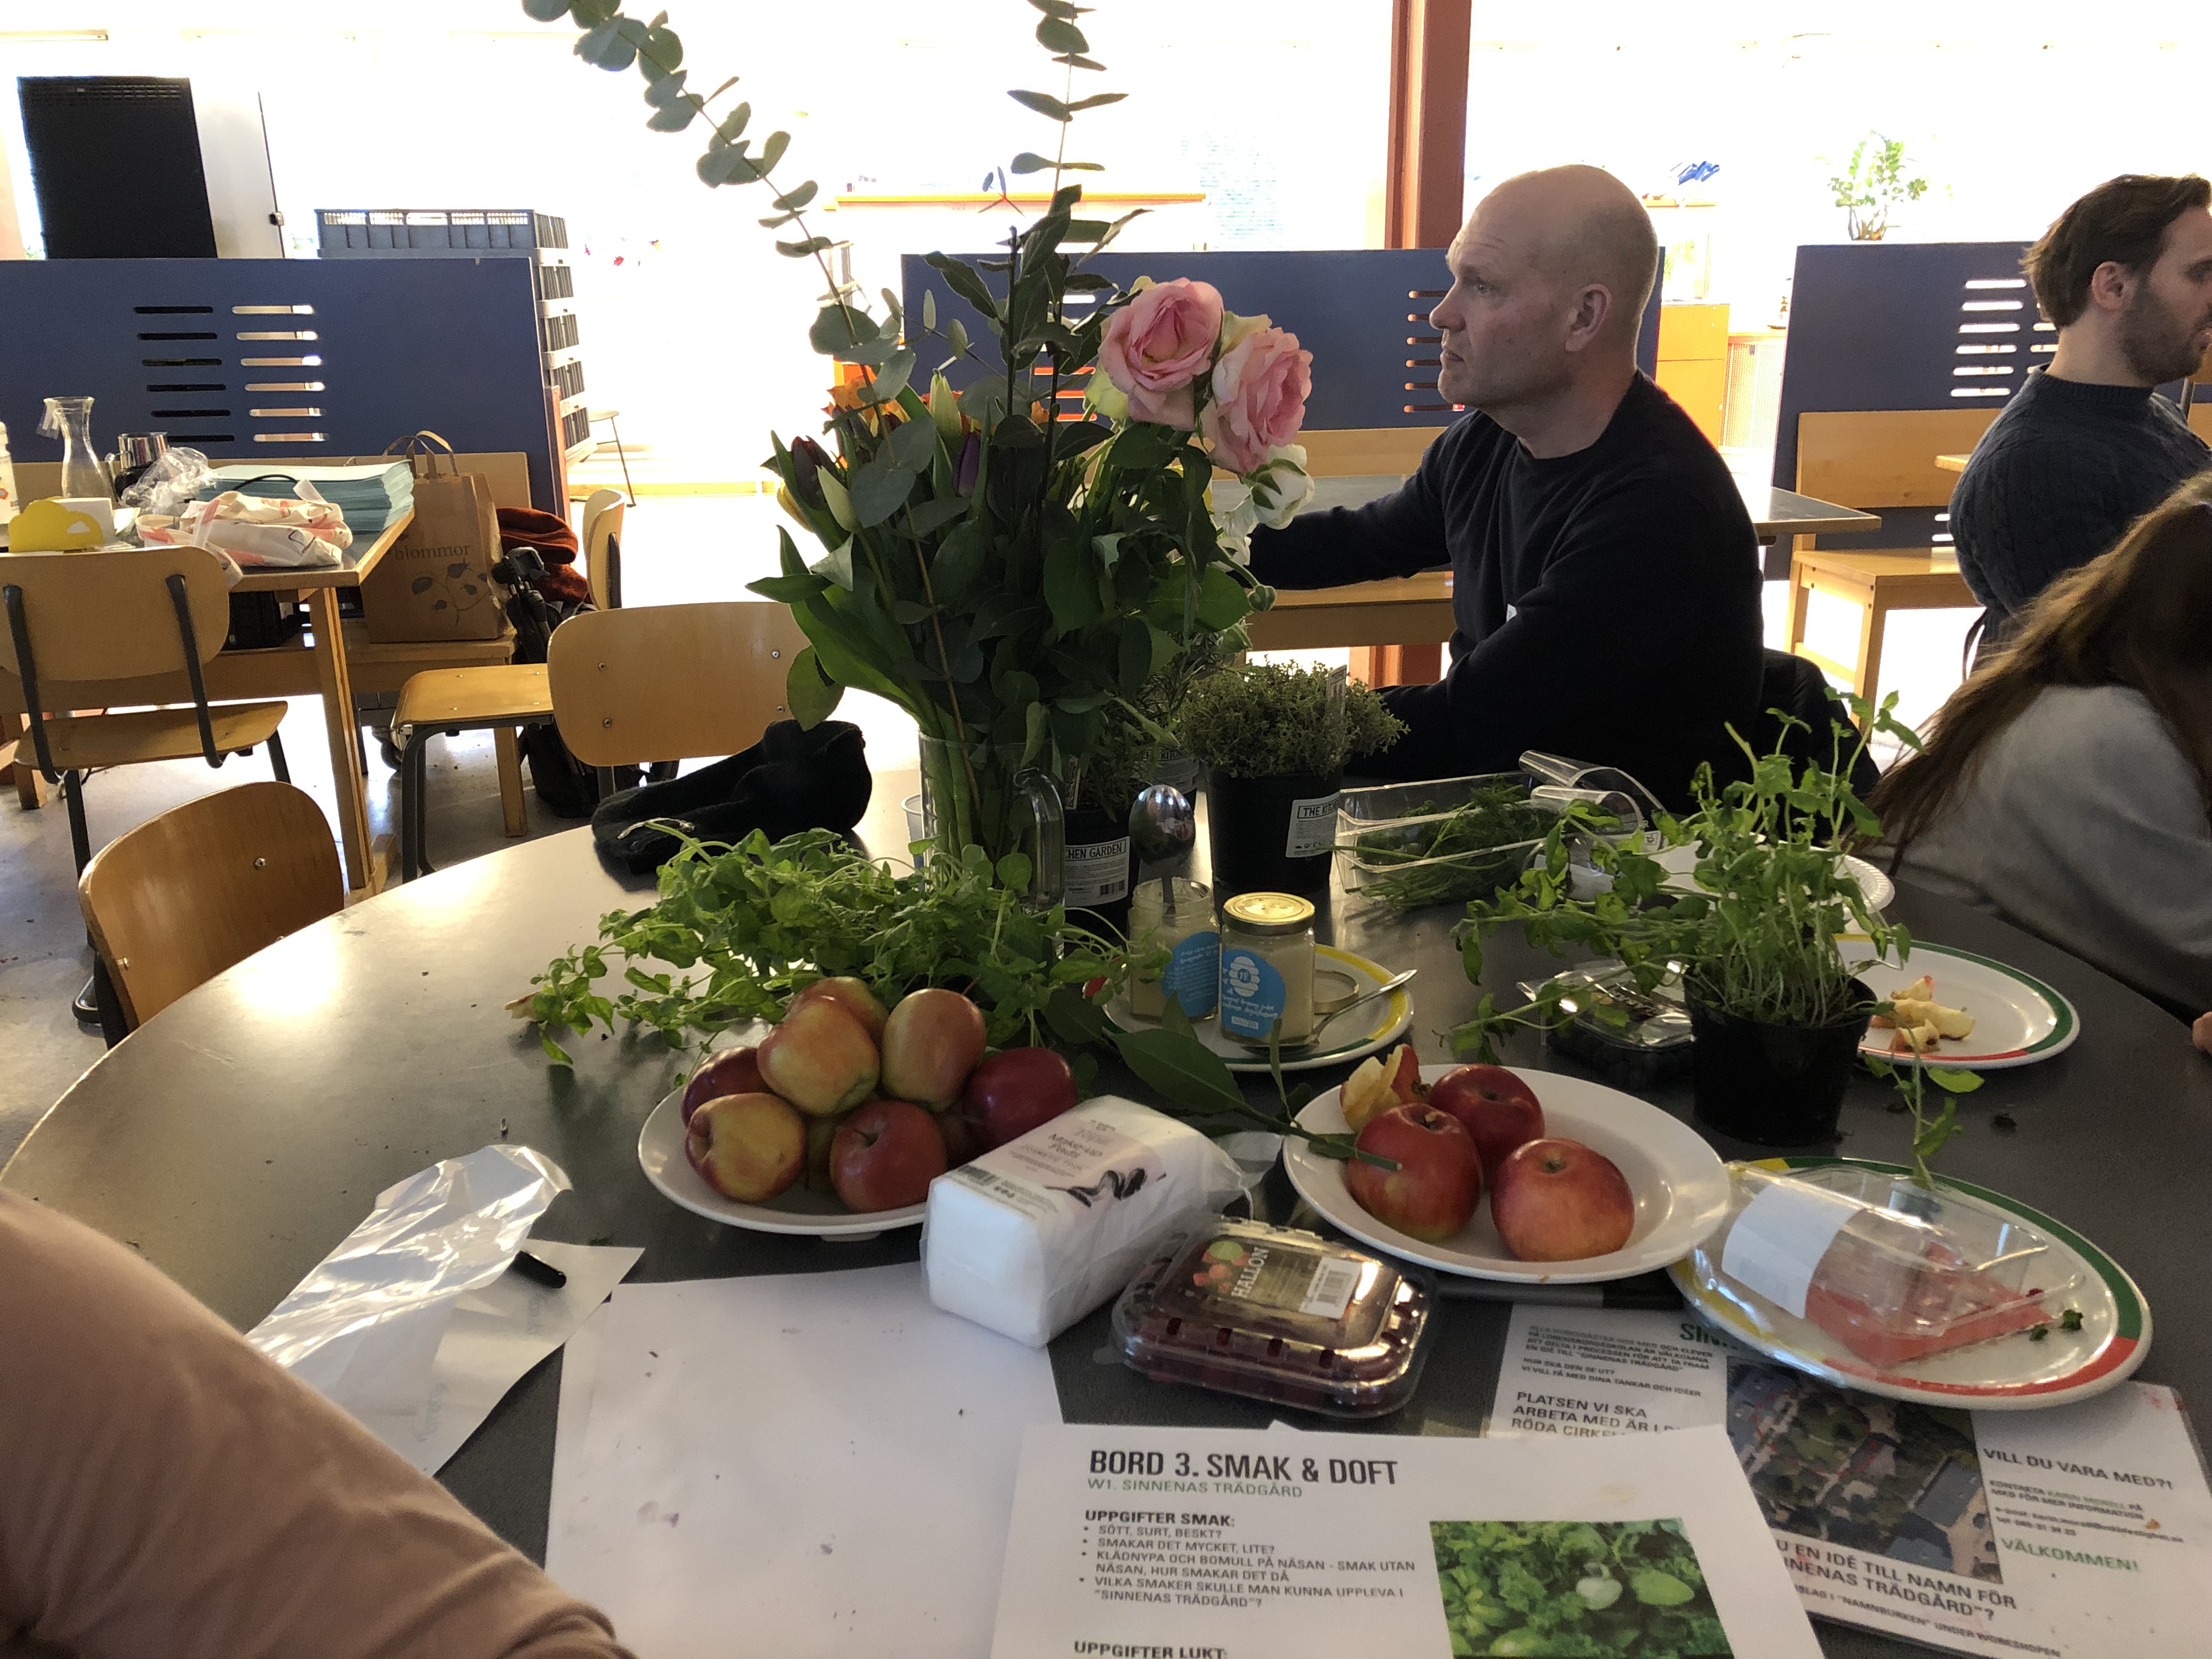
{"x":364,"y":1328}
{"x":274,"y":532}
{"x":169,"y":484}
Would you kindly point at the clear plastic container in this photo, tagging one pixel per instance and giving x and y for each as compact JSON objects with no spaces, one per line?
{"x":1275,"y":1314}
{"x":1447,"y":840}
{"x":1892,"y":1270}
{"x":1634,"y":1039}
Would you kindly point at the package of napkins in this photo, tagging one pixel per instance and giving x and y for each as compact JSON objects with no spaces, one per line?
{"x":1034,"y":1234}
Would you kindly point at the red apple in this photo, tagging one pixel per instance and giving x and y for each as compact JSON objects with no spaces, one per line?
{"x":885,"y":1156}
{"x":732,"y":1072}
{"x":1014,"y":1092}
{"x":1432,"y":1193}
{"x":962,"y":1140}
{"x":851,"y":994}
{"x":749,"y":1147}
{"x":1498,"y":1109}
{"x":820,"y":1058}
{"x":1558,"y":1200}
{"x":931,"y":1042}
{"x":821,"y":1133}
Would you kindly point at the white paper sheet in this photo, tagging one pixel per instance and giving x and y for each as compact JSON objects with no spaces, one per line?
{"x":815,"y":1464}
{"x":1234,"y":1544}
{"x":2080,"y":1532}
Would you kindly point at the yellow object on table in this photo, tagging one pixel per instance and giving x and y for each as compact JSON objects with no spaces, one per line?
{"x":47,"y":526}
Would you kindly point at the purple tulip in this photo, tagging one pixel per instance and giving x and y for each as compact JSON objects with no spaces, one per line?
{"x":969,"y":463}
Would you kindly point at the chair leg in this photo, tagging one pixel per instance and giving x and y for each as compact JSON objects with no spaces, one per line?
{"x":80,"y":837}
{"x":509,"y":754}
{"x":277,"y":764}
{"x":407,"y":788}
{"x":112,"y":1026}
{"x":422,"y":864}
{"x":1870,"y":629}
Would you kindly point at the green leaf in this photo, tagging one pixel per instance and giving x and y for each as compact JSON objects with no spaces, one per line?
{"x":878,"y":489}
{"x":956,"y":332}
{"x":811,"y":694}
{"x":590,"y":14}
{"x":665,"y":89}
{"x":1183,"y":1069}
{"x":788,"y":590}
{"x":805,"y":249}
{"x":1221,"y":601}
{"x":545,"y":11}
{"x":1096,"y":99}
{"x":838,"y":329}
{"x":1136,"y":653}
{"x":673,"y":118}
{"x":837,"y":566}
{"x":1074,"y":1018}
{"x":554,"y":1051}
{"x":1144,"y":445}
{"x":1071,"y":587}
{"x":1014,"y":870}
{"x":772,"y":152}
{"x":890,"y":380}
{"x":732,"y":126}
{"x":963,"y":281}
{"x":913,"y":445}
{"x":930,"y":516}
{"x":662,"y":49}
{"x":1043,"y":102}
{"x":720,"y":165}
{"x":606,"y":47}
{"x":909,"y":612}
{"x":959,"y":564}
{"x":792,"y":200}
{"x":1058,"y":34}
{"x":1029,"y":162}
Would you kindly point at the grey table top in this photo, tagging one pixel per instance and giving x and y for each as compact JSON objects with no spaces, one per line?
{"x":1774,"y":513}
{"x":244,"y":1131}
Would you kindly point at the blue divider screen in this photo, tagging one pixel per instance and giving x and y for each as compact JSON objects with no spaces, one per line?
{"x":166,"y":345}
{"x":1363,"y":313}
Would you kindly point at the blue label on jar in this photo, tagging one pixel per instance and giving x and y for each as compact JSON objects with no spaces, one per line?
{"x":1194,"y":974}
{"x":1251,"y":994}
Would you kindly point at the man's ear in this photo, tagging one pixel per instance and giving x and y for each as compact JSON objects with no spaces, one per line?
{"x":2111,"y":285}
{"x":1586,"y":321}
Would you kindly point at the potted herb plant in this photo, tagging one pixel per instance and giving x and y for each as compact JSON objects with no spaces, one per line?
{"x":1873,"y":184}
{"x":1777,"y":1011}
{"x":1273,"y":740}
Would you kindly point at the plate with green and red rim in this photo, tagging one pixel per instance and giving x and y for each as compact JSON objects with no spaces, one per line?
{"x":2018,"y":1019}
{"x":2016,"y":1372}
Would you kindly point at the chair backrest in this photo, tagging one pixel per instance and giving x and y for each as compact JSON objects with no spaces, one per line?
{"x":602,"y":530}
{"x":1871,"y":458}
{"x":111,"y":615}
{"x":203,"y":886}
{"x":669,"y":682}
{"x":1363,"y":451}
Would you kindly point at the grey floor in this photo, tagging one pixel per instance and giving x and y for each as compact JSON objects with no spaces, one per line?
{"x":677,"y":548}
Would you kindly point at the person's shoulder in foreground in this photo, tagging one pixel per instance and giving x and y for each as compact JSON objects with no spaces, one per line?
{"x":166,"y":1490}
{"x":2124,"y":277}
{"x":2067,"y":785}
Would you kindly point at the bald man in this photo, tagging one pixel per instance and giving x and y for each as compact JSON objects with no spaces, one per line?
{"x":1606,"y":591}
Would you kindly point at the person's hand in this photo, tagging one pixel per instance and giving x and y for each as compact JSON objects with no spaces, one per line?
{"x":2201,"y":1033}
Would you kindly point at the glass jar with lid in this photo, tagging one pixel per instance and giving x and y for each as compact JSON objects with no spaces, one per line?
{"x":1266,"y":968}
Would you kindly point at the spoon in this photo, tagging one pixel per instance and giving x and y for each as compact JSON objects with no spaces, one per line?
{"x":1162,"y":822}
{"x":1384,"y":989}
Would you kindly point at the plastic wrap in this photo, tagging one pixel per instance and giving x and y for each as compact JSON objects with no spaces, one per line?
{"x":364,"y":1326}
{"x":172,"y":480}
{"x":1893,"y":1272}
{"x":1034,"y":1234}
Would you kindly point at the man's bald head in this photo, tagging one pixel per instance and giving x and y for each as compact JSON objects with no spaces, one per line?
{"x":1549,"y":282}
{"x":1579,"y":225}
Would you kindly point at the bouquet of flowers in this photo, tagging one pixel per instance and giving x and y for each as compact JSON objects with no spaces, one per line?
{"x":1012,"y":576}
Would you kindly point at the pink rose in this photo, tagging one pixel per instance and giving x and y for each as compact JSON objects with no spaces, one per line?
{"x":1157,"y":344}
{"x":1259,"y":389}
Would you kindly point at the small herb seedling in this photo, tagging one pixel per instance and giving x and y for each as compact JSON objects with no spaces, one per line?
{"x":2070,"y":1320}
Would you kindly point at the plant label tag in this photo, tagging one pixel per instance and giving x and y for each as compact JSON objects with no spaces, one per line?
{"x":1313,"y":827}
{"x":1779,"y":1240}
{"x":1097,"y":873}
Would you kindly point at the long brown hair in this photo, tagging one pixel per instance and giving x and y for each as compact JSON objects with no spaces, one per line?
{"x":2139,"y":616}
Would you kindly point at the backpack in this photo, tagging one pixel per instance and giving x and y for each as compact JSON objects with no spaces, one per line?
{"x":568,"y":788}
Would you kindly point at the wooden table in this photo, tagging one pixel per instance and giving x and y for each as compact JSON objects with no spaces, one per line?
{"x":321,"y":668}
{"x":1953,"y":463}
{"x":374,"y":1044}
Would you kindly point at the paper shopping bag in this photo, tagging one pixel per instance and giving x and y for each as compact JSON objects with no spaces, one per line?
{"x":436,"y":582}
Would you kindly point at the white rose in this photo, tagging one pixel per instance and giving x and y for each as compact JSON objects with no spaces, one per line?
{"x":1281,"y":487}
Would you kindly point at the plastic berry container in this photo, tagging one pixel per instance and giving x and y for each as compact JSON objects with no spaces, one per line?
{"x":1275,"y":1314}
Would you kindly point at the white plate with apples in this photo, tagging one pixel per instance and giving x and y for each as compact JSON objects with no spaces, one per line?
{"x":1677,"y":1187}
{"x":800,"y":1210}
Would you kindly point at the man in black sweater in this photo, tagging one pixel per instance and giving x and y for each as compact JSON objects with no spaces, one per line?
{"x":2085,"y":445}
{"x":1606,"y":581}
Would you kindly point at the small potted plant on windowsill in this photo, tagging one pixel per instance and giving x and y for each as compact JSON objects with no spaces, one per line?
{"x":1873,"y":184}
{"x":1273,"y":740}
{"x":1777,"y":1013}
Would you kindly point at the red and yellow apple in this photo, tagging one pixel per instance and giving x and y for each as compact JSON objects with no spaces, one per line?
{"x":1377,"y":1084}
{"x":851,"y":994}
{"x":820,"y":1133}
{"x":1012,"y":1091}
{"x":1558,"y":1200}
{"x":1498,"y":1109}
{"x":885,"y":1154}
{"x":749,"y":1147}
{"x":731,"y":1072}
{"x":932,"y":1040}
{"x":821,"y":1058}
{"x":1432,"y":1193}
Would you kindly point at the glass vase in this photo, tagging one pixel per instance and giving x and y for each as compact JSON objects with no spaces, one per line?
{"x":978,"y":795}
{"x":84,"y":473}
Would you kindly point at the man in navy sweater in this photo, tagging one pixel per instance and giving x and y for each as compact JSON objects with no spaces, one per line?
{"x":2085,"y":446}
{"x":1605,"y":581}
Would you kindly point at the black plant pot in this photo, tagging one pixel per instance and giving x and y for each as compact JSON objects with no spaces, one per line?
{"x":1100,"y":860}
{"x":1773,"y":1086}
{"x":1250,"y":829}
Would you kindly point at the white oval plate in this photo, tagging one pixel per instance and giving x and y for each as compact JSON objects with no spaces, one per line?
{"x":1352,"y":1034}
{"x":2008,"y":1373}
{"x":660,"y":1155}
{"x":2018,"y":1019}
{"x":1681,"y":1185}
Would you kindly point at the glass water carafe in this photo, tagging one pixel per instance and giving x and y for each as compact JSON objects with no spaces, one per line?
{"x":84,"y":473}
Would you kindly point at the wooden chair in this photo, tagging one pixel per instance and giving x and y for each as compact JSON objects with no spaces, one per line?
{"x":81,"y":618}
{"x":601,"y":537}
{"x":670,"y":682}
{"x":184,"y":895}
{"x":1873,"y":459}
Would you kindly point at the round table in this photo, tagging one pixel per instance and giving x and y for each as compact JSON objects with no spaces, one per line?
{"x":244,"y":1131}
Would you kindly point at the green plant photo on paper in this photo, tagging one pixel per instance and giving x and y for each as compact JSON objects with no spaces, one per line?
{"x":1607,"y":1589}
